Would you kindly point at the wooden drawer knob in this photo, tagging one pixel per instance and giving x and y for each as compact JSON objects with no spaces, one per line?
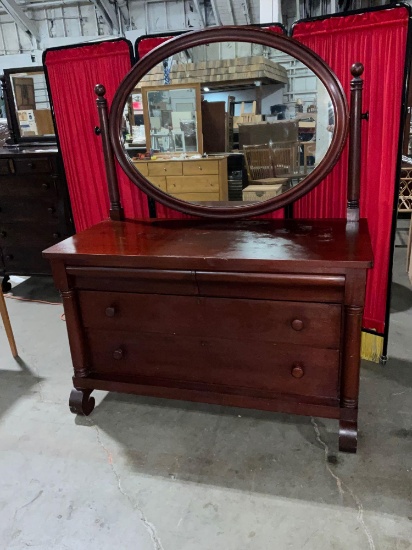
{"x":10,"y":257}
{"x":110,"y":311}
{"x":118,"y":354}
{"x":56,"y":235}
{"x":30,"y":165}
{"x":297,"y":324}
{"x":45,"y":185}
{"x":3,"y":233}
{"x":51,"y":210}
{"x":297,"y":370}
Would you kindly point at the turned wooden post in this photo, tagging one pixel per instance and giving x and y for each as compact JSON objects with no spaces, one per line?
{"x":355,"y":142}
{"x":116,"y":210}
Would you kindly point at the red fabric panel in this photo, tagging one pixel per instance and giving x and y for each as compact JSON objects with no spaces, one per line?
{"x":73,"y":73}
{"x":378,"y":40}
{"x":275,"y":28}
{"x":146,"y":45}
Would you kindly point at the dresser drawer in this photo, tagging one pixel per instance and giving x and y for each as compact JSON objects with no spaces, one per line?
{"x":272,"y":286}
{"x":197,"y":197}
{"x":172,"y":168}
{"x":299,"y":371}
{"x":142,"y":168}
{"x":25,"y":260}
{"x":316,"y":325}
{"x":123,"y":280}
{"x":200,"y":167}
{"x":29,"y":233}
{"x":44,"y":210}
{"x":193,"y":184}
{"x":32,"y":165}
{"x":159,"y":181}
{"x":31,"y":187}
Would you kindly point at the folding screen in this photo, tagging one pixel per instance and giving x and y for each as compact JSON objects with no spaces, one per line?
{"x":378,"y":39}
{"x":72,"y":73}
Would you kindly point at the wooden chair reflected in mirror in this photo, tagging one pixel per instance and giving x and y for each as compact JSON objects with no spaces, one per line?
{"x":260,"y":166}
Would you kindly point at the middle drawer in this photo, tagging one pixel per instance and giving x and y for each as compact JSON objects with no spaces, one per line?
{"x":313,"y":324}
{"x":193,"y":184}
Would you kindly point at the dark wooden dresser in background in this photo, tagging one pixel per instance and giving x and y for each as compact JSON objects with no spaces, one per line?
{"x":34,"y":209}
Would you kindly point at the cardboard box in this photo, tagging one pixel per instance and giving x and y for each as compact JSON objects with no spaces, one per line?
{"x":261,"y":193}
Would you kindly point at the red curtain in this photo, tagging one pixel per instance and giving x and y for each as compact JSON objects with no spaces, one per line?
{"x":73,"y":73}
{"x":146,"y":45}
{"x":378,"y":40}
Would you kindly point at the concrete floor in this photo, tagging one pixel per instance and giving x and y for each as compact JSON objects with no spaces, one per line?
{"x":147,"y":474}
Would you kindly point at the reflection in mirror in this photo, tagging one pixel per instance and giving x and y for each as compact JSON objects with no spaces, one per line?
{"x":32,"y":104}
{"x":228,"y":121}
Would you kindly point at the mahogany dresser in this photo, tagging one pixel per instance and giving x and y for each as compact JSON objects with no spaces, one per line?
{"x":262,"y":314}
{"x":34,"y":208}
{"x":226,"y":309}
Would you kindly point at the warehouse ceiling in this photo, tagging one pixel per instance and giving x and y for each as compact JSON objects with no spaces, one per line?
{"x":26,"y":25}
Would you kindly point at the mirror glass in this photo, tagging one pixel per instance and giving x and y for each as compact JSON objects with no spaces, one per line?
{"x":32,"y":105}
{"x":227,"y":122}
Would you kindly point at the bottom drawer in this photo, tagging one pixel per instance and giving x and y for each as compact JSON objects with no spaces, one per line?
{"x":280,"y":368}
{"x":197,"y":197}
{"x":25,"y":260}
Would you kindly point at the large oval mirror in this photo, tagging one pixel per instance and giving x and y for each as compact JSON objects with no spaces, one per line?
{"x":228,"y":127}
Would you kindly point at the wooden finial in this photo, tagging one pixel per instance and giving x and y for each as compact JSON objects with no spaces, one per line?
{"x":116,"y":210}
{"x":99,"y":90}
{"x":357,"y":70}
{"x":354,"y":165}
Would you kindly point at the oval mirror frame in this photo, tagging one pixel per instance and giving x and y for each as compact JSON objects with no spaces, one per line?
{"x":227,"y":34}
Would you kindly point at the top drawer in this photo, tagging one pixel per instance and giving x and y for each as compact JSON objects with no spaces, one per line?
{"x":272,"y":286}
{"x":196,"y":167}
{"x":172,"y":168}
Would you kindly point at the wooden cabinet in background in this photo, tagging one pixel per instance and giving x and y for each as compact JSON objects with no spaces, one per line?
{"x":34,"y":209}
{"x":203,"y":179}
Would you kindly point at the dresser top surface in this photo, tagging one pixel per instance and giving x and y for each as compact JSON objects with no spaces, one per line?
{"x":197,"y":244}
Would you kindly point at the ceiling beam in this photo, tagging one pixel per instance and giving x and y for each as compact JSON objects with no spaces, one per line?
{"x":199,"y":11}
{"x":108,"y":12}
{"x":21,"y":19}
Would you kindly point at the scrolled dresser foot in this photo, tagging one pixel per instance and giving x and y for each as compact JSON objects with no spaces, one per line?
{"x":80,"y":402}
{"x":348,"y":436}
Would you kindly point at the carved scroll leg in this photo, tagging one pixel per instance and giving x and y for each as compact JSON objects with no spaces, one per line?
{"x":348,"y":431}
{"x":80,"y":402}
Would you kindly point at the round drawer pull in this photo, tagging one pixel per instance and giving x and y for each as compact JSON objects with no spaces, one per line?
{"x":10,"y":257}
{"x":110,"y":311}
{"x":297,"y":370}
{"x":3,"y":233}
{"x":118,"y":354}
{"x":297,"y":324}
{"x":200,"y":168}
{"x":45,"y":185}
{"x":30,"y":165}
{"x":51,"y":210}
{"x":56,"y":235}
